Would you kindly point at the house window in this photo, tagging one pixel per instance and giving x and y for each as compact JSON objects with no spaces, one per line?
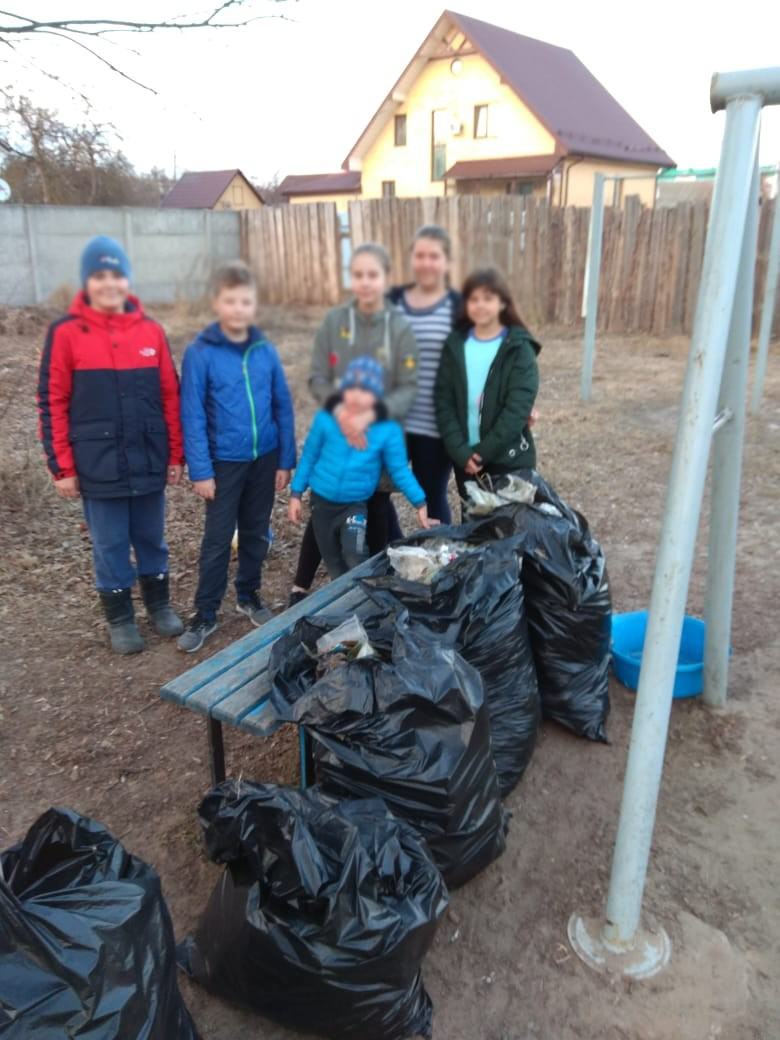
{"x":520,"y":188}
{"x":238,"y":193}
{"x":440,"y":122}
{"x":388,"y":189}
{"x":400,"y":131}
{"x":482,"y":120}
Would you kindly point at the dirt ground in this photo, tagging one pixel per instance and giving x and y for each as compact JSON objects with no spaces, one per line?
{"x":85,"y":729}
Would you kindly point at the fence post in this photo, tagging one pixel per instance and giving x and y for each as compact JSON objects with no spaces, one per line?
{"x":768,"y":306}
{"x":33,"y":253}
{"x":590,"y":300}
{"x":727,"y":468}
{"x":617,"y":942}
{"x":128,"y":224}
{"x":208,"y":245}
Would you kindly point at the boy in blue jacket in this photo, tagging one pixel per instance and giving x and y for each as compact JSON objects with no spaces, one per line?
{"x":343,"y":478}
{"x":239,"y":443}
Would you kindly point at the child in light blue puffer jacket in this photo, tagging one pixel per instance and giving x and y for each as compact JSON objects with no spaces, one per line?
{"x":343,"y":478}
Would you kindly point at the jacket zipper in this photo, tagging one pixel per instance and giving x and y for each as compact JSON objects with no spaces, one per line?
{"x":487,"y":380}
{"x":244,"y":365}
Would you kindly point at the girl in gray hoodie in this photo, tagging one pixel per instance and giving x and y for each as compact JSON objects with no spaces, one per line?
{"x":367,"y":326}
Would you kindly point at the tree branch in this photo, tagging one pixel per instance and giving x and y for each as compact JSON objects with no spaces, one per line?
{"x":107,"y":25}
{"x":94,"y":53}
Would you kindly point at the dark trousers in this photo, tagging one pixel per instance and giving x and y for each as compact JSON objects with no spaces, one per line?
{"x":382,"y":528}
{"x":116,"y":524}
{"x":432,"y":466}
{"x":245,"y":498}
{"x":340,"y":530}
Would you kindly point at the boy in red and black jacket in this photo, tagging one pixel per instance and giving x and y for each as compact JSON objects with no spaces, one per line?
{"x":108,"y":402}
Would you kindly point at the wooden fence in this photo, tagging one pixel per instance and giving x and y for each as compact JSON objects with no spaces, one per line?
{"x":295,"y":252}
{"x":651,"y":260}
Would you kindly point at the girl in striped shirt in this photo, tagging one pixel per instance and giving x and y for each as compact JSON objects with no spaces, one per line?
{"x":431,"y":308}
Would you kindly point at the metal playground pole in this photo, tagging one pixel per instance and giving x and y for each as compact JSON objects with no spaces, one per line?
{"x":618,"y":942}
{"x":590,"y":302}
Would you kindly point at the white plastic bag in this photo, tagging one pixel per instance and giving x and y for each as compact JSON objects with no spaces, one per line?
{"x":481,"y":502}
{"x":350,"y":632}
{"x":418,"y":563}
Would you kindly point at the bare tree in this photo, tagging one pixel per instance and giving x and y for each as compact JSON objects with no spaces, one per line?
{"x":47,"y":161}
{"x":86,"y":33}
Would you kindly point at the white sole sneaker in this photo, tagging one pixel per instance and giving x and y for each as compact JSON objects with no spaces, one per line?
{"x":190,"y":641}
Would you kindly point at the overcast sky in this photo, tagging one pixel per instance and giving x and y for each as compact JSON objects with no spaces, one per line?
{"x":292,"y":96}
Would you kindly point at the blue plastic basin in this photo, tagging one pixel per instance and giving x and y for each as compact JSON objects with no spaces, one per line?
{"x":628,"y":640}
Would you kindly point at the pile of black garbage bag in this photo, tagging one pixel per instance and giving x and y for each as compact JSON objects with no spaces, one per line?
{"x":407,"y":724}
{"x":86,"y":940}
{"x":323,"y":914}
{"x":330,"y":897}
{"x":568,"y":606}
{"x":476,"y":605}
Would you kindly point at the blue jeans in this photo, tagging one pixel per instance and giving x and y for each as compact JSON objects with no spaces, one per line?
{"x":115,"y":525}
{"x":245,"y":498}
{"x":432,"y":466}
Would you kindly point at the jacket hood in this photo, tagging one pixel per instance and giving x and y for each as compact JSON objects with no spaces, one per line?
{"x":517,"y":336}
{"x":80,"y":308}
{"x":214,"y":335}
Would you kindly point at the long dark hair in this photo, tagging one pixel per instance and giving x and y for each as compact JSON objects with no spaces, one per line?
{"x":491,"y":279}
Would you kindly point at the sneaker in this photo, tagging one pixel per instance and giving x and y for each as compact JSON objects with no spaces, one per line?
{"x":195,"y":634}
{"x":254,"y":608}
{"x":296,"y":596}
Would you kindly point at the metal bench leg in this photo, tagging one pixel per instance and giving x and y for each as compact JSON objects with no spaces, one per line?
{"x":216,"y":751}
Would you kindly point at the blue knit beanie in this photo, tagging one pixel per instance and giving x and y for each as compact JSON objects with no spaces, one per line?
{"x":365,"y":373}
{"x":103,"y":254}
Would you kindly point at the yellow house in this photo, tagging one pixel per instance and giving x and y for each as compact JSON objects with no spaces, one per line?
{"x":482,"y":110}
{"x":213,"y":189}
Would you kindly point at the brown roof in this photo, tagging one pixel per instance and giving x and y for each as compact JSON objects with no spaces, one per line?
{"x":522,"y":166}
{"x":201,"y":190}
{"x":567,"y":99}
{"x":321,"y":183}
{"x":564,"y":95}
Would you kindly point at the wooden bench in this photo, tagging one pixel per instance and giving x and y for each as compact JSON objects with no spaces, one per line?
{"x":233,"y":686}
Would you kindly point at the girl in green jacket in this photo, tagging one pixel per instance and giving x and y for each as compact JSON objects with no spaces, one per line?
{"x":487,"y":384}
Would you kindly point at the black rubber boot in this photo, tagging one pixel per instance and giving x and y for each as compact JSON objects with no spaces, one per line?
{"x":154,"y":589}
{"x":118,"y":608}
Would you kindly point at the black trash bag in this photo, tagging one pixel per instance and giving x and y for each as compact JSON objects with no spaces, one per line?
{"x":411,"y":728}
{"x":569,"y":608}
{"x":476,"y":605}
{"x":86,"y":940}
{"x":323,"y":915}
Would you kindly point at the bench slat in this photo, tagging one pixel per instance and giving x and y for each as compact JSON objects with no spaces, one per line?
{"x":182,"y":688}
{"x":262,"y":721}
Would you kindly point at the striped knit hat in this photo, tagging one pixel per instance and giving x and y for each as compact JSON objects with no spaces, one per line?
{"x":366,"y":373}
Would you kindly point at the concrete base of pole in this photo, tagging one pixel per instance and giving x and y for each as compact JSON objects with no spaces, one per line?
{"x":646,"y":954}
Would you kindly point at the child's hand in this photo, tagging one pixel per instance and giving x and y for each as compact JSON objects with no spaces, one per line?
{"x":175,"y":474}
{"x":533,"y":418}
{"x":68,"y":487}
{"x":425,"y":521}
{"x":353,"y":426}
{"x":474,"y":465}
{"x":205,"y":488}
{"x":295,"y":511}
{"x":282,"y":479}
